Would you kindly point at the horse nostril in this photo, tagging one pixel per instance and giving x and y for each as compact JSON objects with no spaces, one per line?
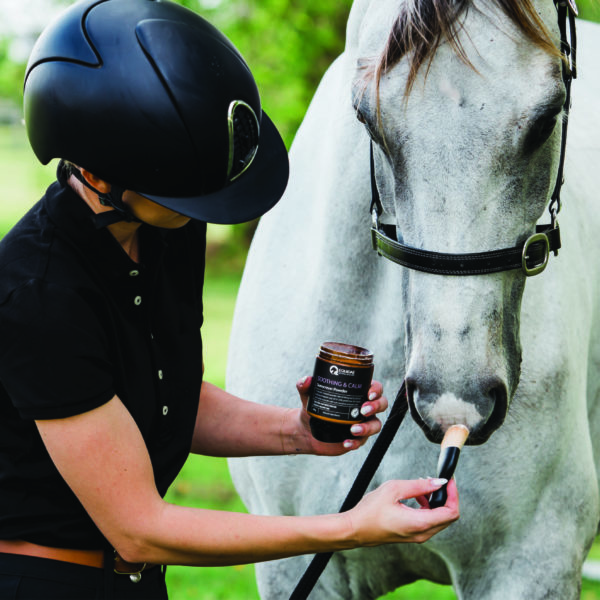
{"x":413,"y":393}
{"x":494,"y":389}
{"x":498,"y":394}
{"x":420,"y":392}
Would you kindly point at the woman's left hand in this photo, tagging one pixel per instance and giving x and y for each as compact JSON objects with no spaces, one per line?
{"x":376,"y":403}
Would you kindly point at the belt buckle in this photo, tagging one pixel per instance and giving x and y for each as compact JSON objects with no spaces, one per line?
{"x":135,"y":573}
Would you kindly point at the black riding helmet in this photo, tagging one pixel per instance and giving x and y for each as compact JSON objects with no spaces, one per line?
{"x":150,"y":97}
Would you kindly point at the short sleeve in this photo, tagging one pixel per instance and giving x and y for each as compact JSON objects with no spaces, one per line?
{"x":54,"y":359}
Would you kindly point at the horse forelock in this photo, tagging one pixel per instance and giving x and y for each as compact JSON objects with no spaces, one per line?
{"x":422,"y":25}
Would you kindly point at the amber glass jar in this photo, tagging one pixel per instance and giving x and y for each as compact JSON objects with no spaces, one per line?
{"x":340,"y":386}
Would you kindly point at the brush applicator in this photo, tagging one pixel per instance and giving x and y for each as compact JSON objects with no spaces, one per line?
{"x":454,"y":439}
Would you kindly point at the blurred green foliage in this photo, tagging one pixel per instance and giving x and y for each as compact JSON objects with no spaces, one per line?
{"x":11,"y":73}
{"x":589,"y":10}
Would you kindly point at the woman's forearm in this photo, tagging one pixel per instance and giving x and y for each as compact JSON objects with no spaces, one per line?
{"x":197,"y":537}
{"x":230,"y":426}
{"x":190,"y":536}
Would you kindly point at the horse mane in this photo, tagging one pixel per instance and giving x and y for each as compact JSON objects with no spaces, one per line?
{"x":423,"y":25}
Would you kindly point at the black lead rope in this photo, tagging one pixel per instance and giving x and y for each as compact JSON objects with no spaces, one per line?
{"x":358,"y":489}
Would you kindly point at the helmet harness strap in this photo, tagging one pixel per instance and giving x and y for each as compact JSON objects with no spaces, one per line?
{"x":113,"y":199}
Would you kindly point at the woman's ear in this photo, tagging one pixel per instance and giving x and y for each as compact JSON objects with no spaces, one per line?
{"x":97,"y":183}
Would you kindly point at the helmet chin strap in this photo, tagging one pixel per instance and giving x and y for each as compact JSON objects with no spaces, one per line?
{"x":113,"y":199}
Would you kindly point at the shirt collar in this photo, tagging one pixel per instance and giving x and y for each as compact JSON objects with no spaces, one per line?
{"x":75,"y":220}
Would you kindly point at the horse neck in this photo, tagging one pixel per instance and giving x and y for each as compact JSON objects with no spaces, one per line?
{"x":330,"y":183}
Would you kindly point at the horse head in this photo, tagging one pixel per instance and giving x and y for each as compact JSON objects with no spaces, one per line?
{"x":464,"y":106}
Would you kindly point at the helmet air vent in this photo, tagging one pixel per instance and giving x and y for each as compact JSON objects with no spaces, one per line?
{"x":243,"y":138}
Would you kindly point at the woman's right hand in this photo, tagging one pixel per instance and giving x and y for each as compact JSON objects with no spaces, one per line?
{"x":382,"y":518}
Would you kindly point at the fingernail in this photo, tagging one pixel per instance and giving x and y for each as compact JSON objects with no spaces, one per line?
{"x":372,"y":396}
{"x":302,"y":381}
{"x":348,"y":444}
{"x":356,"y":429}
{"x":366,"y":410}
{"x":438,"y":481}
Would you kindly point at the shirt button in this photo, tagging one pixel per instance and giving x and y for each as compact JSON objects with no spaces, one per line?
{"x":165,"y":410}
{"x":134,"y":273}
{"x":138,"y":300}
{"x":160,"y":374}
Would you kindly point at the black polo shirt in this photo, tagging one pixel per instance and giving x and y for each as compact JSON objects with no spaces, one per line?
{"x":79,"y":323}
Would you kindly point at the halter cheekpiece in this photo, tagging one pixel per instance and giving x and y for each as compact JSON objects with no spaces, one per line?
{"x":531,"y":256}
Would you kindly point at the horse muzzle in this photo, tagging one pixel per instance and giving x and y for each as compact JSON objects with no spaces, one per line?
{"x":481,"y":407}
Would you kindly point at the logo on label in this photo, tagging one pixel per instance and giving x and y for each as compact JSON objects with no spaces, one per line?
{"x":339,"y":371}
{"x":355,"y":412}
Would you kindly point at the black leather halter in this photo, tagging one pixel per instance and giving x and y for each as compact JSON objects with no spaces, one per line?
{"x":531,"y":256}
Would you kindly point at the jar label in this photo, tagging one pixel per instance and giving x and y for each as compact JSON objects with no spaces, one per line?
{"x":337,"y":391}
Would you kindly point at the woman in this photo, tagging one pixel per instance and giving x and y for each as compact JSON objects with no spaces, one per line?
{"x":158,"y":123}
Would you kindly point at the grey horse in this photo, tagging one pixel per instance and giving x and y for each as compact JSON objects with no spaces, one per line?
{"x":466,"y":141}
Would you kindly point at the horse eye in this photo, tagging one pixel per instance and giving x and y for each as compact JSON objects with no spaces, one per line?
{"x":540,"y":131}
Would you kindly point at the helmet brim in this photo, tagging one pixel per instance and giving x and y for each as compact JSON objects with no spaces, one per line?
{"x":250,"y":196}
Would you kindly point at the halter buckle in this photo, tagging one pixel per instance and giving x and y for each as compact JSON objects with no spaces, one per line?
{"x":536,"y":238}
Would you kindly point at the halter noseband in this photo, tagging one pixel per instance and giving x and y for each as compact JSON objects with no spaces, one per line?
{"x":531,"y":256}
